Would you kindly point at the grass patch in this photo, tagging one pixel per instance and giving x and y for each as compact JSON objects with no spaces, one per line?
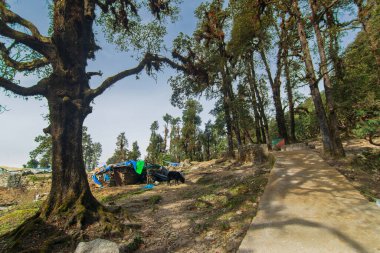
{"x":14,"y":218}
{"x":231,"y":196}
{"x":155,"y":199}
{"x":35,"y":178}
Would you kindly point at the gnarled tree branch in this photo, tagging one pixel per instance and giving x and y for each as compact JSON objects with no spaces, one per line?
{"x":21,"y":66}
{"x":35,"y":90}
{"x":36,"y":41}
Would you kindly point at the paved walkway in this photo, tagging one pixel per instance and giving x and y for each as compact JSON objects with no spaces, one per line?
{"x":309,"y":207}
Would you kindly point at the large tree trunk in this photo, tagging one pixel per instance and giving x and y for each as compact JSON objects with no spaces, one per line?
{"x":313,"y":83}
{"x":333,"y":120}
{"x":70,"y":197}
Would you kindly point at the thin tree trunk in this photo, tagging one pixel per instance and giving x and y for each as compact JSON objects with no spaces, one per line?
{"x":276,"y":92}
{"x":289,"y":91}
{"x":334,"y":46}
{"x":228,"y":120}
{"x":313,"y":82}
{"x":333,"y":120}
{"x":253,"y":98}
{"x":260,"y":104}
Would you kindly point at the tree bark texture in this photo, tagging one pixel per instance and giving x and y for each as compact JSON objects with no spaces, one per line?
{"x":289,"y":91}
{"x":313,"y":83}
{"x":260,"y":104}
{"x":332,"y":117}
{"x":276,"y":92}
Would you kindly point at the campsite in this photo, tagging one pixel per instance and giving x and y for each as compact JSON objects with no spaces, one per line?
{"x":189,"y":126}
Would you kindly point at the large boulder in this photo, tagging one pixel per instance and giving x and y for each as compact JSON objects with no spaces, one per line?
{"x":97,"y":246}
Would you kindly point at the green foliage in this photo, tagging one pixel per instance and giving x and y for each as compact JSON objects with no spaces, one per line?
{"x":358,"y":96}
{"x":132,"y":34}
{"x":43,"y":152}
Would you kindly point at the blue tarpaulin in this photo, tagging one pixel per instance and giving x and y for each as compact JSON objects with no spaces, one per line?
{"x":172,"y":164}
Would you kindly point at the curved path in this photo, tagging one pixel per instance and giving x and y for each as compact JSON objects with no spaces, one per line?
{"x":308,"y":206}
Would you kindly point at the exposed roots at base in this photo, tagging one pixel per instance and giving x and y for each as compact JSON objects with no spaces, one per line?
{"x":64,"y":230}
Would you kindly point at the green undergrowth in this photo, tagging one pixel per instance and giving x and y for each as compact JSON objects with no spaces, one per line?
{"x":155,"y":199}
{"x":13,"y":219}
{"x":121,"y":196}
{"x":368,"y":161}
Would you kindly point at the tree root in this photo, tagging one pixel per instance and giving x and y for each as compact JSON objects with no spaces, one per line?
{"x":64,"y":230}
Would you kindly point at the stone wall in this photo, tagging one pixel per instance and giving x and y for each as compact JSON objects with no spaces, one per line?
{"x":10,"y":180}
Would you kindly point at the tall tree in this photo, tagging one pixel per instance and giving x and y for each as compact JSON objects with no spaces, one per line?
{"x":167,"y":118}
{"x":191,"y":121}
{"x":135,"y":153}
{"x":328,"y":142}
{"x":175,"y":138}
{"x":67,"y":86}
{"x":155,"y":146}
{"x":121,"y":151}
{"x":332,"y":117}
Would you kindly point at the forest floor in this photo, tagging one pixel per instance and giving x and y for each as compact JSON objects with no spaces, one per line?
{"x":210,"y":212}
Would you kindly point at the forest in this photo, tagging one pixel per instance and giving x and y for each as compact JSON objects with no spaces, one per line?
{"x":295,"y":72}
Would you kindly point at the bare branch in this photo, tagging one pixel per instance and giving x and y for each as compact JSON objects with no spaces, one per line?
{"x":113,"y":79}
{"x":38,"y":89}
{"x":21,"y":66}
{"x":36,"y":41}
{"x":91,"y":74}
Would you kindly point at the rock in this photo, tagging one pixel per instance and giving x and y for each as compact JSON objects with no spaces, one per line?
{"x":239,"y":212}
{"x":97,"y":246}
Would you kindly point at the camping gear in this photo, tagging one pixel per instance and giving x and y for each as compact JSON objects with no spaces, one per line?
{"x":128,"y":172}
{"x":278,"y":143}
{"x":148,"y":186}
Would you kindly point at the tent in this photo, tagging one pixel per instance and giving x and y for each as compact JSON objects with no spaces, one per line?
{"x":128,"y":172}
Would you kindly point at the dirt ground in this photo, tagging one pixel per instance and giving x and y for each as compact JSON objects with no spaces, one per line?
{"x":210,"y":212}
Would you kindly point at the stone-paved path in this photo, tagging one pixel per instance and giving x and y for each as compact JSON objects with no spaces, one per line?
{"x":308,"y":206}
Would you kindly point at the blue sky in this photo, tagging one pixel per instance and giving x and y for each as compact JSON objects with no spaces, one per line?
{"x":130,"y":106}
